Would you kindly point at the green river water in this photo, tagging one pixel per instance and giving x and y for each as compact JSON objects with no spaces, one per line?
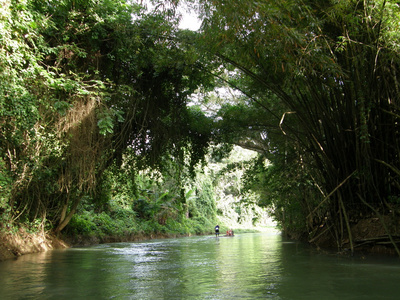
{"x":246,"y":266}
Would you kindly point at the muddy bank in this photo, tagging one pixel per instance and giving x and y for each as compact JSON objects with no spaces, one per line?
{"x":16,"y":244}
{"x":370,"y":236}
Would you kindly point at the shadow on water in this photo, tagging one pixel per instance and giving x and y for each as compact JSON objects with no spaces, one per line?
{"x":309,"y":274}
{"x":247,"y":266}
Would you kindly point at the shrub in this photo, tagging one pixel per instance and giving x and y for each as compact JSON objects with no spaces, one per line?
{"x":81,"y":224}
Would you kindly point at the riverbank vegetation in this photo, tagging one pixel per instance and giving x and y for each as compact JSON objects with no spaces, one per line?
{"x":117,"y":123}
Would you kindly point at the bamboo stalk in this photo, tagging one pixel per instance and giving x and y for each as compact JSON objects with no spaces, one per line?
{"x":330,"y":194}
{"x":320,"y":234}
{"x":347,"y":225}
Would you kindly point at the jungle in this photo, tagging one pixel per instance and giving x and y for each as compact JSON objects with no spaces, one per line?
{"x":116,"y":124}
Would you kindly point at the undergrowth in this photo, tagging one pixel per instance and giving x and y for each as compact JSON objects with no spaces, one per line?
{"x":124,"y":225}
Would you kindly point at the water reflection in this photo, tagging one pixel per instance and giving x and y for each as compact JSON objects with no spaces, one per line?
{"x":247,"y":266}
{"x":308,"y":274}
{"x":217,"y":268}
{"x":250,"y":266}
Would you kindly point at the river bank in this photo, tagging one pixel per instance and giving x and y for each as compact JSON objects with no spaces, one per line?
{"x":368,"y":236}
{"x":13,"y":245}
{"x":18,"y":243}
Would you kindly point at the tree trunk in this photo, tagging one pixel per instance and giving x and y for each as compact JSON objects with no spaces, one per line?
{"x":64,"y":220}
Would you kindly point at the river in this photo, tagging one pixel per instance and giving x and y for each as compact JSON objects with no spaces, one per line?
{"x":246,"y":266}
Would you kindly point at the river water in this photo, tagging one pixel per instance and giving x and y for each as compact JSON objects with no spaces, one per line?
{"x":247,"y":266}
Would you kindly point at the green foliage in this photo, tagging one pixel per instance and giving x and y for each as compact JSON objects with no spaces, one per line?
{"x":319,"y":109}
{"x":122,"y":223}
{"x":88,"y":223}
{"x":5,"y":188}
{"x":81,"y":224}
{"x":85,"y":84}
{"x":220,"y":151}
{"x":222,"y":193}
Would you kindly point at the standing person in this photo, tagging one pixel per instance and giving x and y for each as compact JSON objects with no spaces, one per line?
{"x":217,"y":230}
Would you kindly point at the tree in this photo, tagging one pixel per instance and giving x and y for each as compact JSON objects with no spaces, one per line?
{"x":329,"y":71}
{"x":96,"y":83}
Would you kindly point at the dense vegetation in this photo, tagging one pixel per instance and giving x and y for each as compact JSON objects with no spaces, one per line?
{"x":322,"y":88}
{"x":96,"y":130}
{"x":100,"y":130}
{"x":87,"y":91}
